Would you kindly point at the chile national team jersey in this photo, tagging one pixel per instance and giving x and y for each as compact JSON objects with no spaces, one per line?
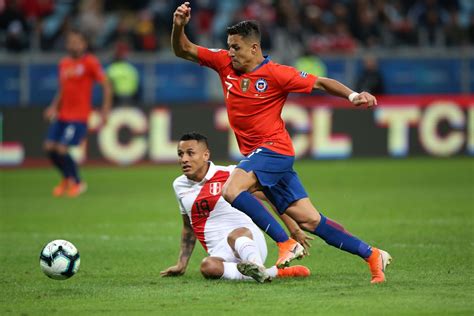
{"x":77,"y":77}
{"x":255,"y":100}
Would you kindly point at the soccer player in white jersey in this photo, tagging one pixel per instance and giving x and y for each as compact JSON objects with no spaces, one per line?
{"x":236,"y":246}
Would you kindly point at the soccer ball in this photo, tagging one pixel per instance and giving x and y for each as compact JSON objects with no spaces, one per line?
{"x":59,"y":260}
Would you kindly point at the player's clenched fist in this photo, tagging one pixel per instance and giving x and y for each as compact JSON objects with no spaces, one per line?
{"x":182,"y":15}
{"x":364,"y":98}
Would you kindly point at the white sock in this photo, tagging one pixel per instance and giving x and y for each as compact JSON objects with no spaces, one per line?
{"x":231,"y":272}
{"x":248,"y":250}
{"x":272,"y":271}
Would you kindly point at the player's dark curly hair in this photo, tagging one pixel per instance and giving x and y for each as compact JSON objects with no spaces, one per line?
{"x":195,"y":136}
{"x":246,"y":29}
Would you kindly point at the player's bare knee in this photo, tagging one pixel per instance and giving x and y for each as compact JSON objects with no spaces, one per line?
{"x":211,"y":268}
{"x":236,"y":233}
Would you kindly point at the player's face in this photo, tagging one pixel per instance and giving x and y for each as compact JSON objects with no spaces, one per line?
{"x":242,"y":52}
{"x":75,"y":44}
{"x":193,"y":157}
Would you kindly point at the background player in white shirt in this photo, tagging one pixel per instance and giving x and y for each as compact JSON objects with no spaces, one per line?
{"x":236,"y":246}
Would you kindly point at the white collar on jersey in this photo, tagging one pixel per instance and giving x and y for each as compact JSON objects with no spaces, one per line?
{"x":211,"y":171}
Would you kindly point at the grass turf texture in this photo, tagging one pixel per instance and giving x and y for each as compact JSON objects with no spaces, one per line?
{"x":127,"y":229}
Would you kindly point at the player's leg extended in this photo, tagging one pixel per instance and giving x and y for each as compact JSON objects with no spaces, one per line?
{"x":50,"y":147}
{"x":73,"y":134}
{"x":217,"y":268}
{"x":241,"y":241}
{"x":58,"y":162}
{"x":54,"y":157}
{"x":235,"y":192}
{"x":225,"y":257}
{"x":71,"y":171}
{"x":252,"y":249}
{"x":309,"y":219}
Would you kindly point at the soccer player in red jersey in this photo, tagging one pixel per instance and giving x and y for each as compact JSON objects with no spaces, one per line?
{"x":70,"y":109}
{"x":255,"y":90}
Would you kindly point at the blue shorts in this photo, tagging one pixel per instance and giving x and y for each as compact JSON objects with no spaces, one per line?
{"x":275,"y":173}
{"x":66,"y":132}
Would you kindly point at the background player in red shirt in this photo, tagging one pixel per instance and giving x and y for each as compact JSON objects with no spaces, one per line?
{"x":255,"y":90}
{"x":70,"y":109}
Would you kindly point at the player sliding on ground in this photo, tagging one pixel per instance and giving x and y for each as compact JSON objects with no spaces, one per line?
{"x":236,"y":247}
{"x":255,"y":90}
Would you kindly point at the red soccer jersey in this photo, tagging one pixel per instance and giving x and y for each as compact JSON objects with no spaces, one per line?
{"x":255,"y":100}
{"x":77,"y":78}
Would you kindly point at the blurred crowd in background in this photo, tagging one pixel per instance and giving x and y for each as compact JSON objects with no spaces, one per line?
{"x":308,"y":26}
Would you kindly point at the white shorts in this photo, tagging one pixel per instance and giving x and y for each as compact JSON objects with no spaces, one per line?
{"x":223,"y":250}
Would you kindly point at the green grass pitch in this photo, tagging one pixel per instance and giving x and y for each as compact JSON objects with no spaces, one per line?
{"x":127,"y":229}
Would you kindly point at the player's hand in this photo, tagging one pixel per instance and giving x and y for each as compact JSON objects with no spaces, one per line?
{"x":173,"y":271}
{"x":301,"y":237}
{"x":364,"y":98}
{"x":50,"y":113}
{"x":182,"y":15}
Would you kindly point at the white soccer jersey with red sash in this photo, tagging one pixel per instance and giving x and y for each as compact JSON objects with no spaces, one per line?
{"x":212,"y":218}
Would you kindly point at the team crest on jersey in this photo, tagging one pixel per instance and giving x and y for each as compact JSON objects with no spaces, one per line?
{"x":215,"y":188}
{"x":245,"y":84}
{"x":261,"y":85}
{"x":303,"y":74}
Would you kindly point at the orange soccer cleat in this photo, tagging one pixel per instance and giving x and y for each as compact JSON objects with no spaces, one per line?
{"x":61,"y":188}
{"x":288,"y":251}
{"x":76,"y":189}
{"x":377,"y":262}
{"x":293,"y":272}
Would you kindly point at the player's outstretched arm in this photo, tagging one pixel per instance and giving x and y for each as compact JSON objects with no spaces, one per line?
{"x":188,"y":240}
{"x":182,"y":46}
{"x":336,"y":88}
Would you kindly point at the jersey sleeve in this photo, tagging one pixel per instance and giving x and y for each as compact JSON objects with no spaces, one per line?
{"x":293,"y":80}
{"x":213,"y":58}
{"x":181,"y":206}
{"x":182,"y":210}
{"x":95,"y":69}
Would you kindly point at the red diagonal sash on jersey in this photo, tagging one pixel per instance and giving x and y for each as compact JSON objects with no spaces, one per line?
{"x":205,"y":203}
